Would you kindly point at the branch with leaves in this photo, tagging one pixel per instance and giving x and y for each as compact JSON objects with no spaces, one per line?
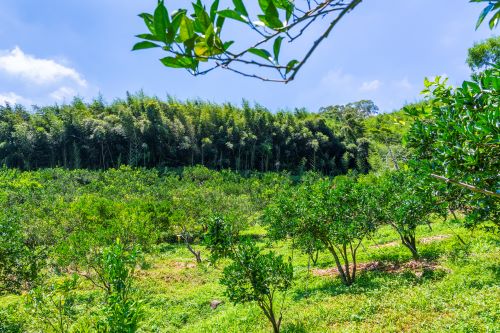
{"x":193,"y":39}
{"x":492,"y":7}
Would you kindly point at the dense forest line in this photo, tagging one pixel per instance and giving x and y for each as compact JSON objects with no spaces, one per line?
{"x":147,"y":132}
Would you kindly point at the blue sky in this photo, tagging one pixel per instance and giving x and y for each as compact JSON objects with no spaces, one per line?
{"x":52,"y":50}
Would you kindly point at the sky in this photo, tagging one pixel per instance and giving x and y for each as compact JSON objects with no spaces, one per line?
{"x":52,"y":50}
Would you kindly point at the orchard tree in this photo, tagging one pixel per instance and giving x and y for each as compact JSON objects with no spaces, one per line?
{"x":407,"y":202}
{"x":20,"y":262}
{"x":338,"y":214}
{"x":455,"y":140}
{"x":54,"y":304}
{"x":112,"y":270}
{"x":253,"y":275}
{"x":455,"y":134}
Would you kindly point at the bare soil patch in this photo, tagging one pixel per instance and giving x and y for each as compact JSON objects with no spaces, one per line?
{"x":181,"y":265}
{"x":379,"y":246}
{"x":427,"y":240}
{"x":416,"y":266}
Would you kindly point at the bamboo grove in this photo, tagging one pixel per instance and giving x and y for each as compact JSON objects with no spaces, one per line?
{"x":143,"y":131}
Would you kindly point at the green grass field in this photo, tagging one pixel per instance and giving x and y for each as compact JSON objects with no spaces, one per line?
{"x":455,"y":290}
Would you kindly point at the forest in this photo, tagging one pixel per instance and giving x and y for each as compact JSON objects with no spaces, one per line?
{"x":146,"y":132}
{"x":151,"y":215}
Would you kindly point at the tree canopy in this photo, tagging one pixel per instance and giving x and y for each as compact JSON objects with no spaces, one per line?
{"x":456,"y":139}
{"x":147,"y":132}
{"x":484,"y":54}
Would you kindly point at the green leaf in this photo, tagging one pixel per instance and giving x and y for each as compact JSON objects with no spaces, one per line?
{"x":174,"y":26}
{"x":240,"y":7}
{"x":202,"y":19}
{"x":144,"y":45}
{"x":483,"y":15}
{"x":201,"y":49}
{"x":161,"y":21}
{"x":213,"y":10}
{"x":494,"y":20}
{"x":229,"y":13}
{"x":228,"y":44}
{"x":261,"y":53}
{"x":176,"y":20}
{"x":179,"y":62}
{"x":219,"y":23}
{"x":291,"y":64}
{"x":148,"y":37}
{"x":263,"y":5}
{"x":148,"y":20}
{"x":277,"y":47}
{"x":186,"y":29}
{"x":272,"y":17}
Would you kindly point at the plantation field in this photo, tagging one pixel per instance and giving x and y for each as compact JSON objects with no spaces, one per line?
{"x":453,"y":288}
{"x":459,"y":292}
{"x":310,"y":214}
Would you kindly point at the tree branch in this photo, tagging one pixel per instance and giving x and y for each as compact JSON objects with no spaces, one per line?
{"x":467,"y":186}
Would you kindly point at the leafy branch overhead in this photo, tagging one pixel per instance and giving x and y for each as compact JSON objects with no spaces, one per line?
{"x":492,"y":7}
{"x":193,"y":39}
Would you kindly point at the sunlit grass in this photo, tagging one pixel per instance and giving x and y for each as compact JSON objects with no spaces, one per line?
{"x":460,"y":295}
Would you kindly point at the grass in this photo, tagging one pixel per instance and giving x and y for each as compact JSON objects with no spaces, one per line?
{"x":460,"y":294}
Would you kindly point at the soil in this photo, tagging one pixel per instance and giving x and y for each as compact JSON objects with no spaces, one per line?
{"x":416,"y":266}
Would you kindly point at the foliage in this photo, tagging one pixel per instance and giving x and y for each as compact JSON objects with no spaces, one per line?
{"x":54,"y":304}
{"x":113,"y":271}
{"x":10,"y":321}
{"x":252,"y":275}
{"x":195,"y":38}
{"x":94,"y":222}
{"x":385,"y":133}
{"x":220,"y":238}
{"x":338,"y":214}
{"x":20,"y":264}
{"x":146,"y":132}
{"x":484,"y":54}
{"x":175,"y":295}
{"x":407,"y":202}
{"x":455,"y":138}
{"x":256,"y":277}
{"x":492,"y":7}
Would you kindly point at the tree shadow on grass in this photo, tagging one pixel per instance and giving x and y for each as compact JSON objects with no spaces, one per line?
{"x":431,"y":253}
{"x":399,"y":255}
{"x":333,"y":286}
{"x":376,"y":276}
{"x":294,"y":328}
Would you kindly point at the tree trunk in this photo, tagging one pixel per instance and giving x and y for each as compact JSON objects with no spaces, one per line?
{"x":269,"y":313}
{"x":314,"y":257}
{"x":339,"y":266}
{"x":410,"y":243}
{"x":197,"y":254}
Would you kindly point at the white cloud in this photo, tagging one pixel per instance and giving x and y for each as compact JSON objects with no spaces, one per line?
{"x":12,"y":98}
{"x":35,"y":70}
{"x":370,"y":86}
{"x":404,"y":84}
{"x":336,"y":78}
{"x":63,"y":93}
